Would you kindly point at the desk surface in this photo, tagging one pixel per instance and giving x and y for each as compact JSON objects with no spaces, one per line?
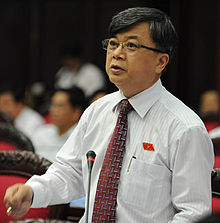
{"x":41,"y":221}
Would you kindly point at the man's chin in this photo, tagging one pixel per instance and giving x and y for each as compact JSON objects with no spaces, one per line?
{"x":115,"y":79}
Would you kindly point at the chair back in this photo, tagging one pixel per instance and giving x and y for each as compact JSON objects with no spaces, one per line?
{"x":13,"y":139}
{"x":216,"y":190}
{"x":18,"y":167}
{"x":211,"y":125}
{"x":6,"y":118}
{"x":211,"y":120}
{"x":216,"y":146}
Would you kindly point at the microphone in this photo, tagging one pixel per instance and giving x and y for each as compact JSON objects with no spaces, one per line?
{"x":90,"y":161}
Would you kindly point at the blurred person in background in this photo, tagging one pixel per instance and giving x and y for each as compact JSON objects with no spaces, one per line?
{"x":66,"y":108}
{"x":75,"y":71}
{"x":98,"y":94}
{"x":12,"y":103}
{"x":209,"y":108}
{"x":209,"y":102}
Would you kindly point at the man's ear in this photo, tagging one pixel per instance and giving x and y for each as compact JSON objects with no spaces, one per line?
{"x":163,"y":60}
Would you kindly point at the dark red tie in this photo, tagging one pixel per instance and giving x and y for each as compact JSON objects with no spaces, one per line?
{"x":107,"y":187}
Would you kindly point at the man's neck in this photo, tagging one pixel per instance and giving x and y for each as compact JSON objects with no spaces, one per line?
{"x":19,"y":108}
{"x":64,"y":130}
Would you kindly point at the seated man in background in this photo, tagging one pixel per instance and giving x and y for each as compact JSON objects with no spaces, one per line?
{"x":67,"y":105}
{"x":209,"y":102}
{"x":209,"y":109}
{"x":12,"y":103}
{"x":75,"y":71}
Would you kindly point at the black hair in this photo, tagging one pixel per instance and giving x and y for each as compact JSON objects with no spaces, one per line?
{"x":162,"y":30}
{"x":72,"y":50}
{"x":18,"y":93}
{"x":76,"y":96}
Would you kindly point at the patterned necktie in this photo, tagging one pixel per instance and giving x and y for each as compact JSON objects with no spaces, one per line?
{"x":107,"y":187}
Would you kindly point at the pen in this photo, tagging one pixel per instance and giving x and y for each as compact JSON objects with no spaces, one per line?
{"x":9,"y":210}
{"x":133,"y":157}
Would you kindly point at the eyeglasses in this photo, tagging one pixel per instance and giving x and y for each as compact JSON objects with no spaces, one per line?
{"x":131,"y":45}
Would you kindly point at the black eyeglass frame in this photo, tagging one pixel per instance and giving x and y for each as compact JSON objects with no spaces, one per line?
{"x":138,"y":46}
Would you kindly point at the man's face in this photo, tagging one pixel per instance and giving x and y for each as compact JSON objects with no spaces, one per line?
{"x":8,"y":104}
{"x":62,"y":114}
{"x":210,"y":102}
{"x":133,"y":72}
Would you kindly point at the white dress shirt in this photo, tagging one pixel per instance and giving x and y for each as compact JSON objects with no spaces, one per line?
{"x":168,"y":182}
{"x":28,"y":121}
{"x":47,"y":141}
{"x":89,"y":78}
{"x":215,"y":133}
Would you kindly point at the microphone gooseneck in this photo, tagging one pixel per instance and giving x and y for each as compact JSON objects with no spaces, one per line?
{"x":90,"y":161}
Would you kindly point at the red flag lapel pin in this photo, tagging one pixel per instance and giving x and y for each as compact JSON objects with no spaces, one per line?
{"x":148,"y":146}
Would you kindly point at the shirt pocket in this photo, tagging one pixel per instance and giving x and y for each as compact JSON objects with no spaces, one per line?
{"x":145,"y":185}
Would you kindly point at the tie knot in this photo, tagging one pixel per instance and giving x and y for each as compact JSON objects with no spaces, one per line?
{"x":125,"y":106}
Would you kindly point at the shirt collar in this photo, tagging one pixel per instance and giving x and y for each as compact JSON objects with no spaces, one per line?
{"x":143,"y":101}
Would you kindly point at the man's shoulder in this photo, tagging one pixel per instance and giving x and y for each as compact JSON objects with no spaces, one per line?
{"x":46,"y":130}
{"x":101,"y":106}
{"x":90,"y":68}
{"x":179,"y":111}
{"x":29,"y":112}
{"x":107,"y":99}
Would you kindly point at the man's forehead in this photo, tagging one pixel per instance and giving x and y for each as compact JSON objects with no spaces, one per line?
{"x":138,"y":31}
{"x":7,"y":94}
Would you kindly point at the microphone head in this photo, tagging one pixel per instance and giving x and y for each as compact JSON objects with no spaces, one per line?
{"x":90,"y":154}
{"x":90,"y":159}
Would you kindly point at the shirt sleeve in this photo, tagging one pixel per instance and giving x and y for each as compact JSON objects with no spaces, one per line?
{"x":191,"y":182}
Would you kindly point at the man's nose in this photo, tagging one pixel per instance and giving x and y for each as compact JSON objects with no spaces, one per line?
{"x":119,"y":52}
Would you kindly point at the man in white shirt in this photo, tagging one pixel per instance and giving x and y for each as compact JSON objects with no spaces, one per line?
{"x":166,"y":170}
{"x":77,"y":72}
{"x":67,"y":105}
{"x":25,"y":118}
{"x":215,"y":133}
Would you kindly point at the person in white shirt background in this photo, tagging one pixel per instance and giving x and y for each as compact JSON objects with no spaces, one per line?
{"x":209,"y":103}
{"x":26,"y":119}
{"x":66,"y":108}
{"x":67,"y":105}
{"x":209,"y":109}
{"x":168,"y":159}
{"x":75,"y":71}
{"x":215,"y":133}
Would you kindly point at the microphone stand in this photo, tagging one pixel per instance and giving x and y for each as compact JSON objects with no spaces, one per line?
{"x":88,"y":195}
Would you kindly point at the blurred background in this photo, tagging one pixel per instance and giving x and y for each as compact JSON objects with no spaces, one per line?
{"x":33,"y":31}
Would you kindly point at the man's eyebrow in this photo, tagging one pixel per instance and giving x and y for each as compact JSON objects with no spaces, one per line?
{"x":128,"y":37}
{"x":132,"y":37}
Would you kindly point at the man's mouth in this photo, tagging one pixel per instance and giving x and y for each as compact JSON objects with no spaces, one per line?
{"x":116,"y":68}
